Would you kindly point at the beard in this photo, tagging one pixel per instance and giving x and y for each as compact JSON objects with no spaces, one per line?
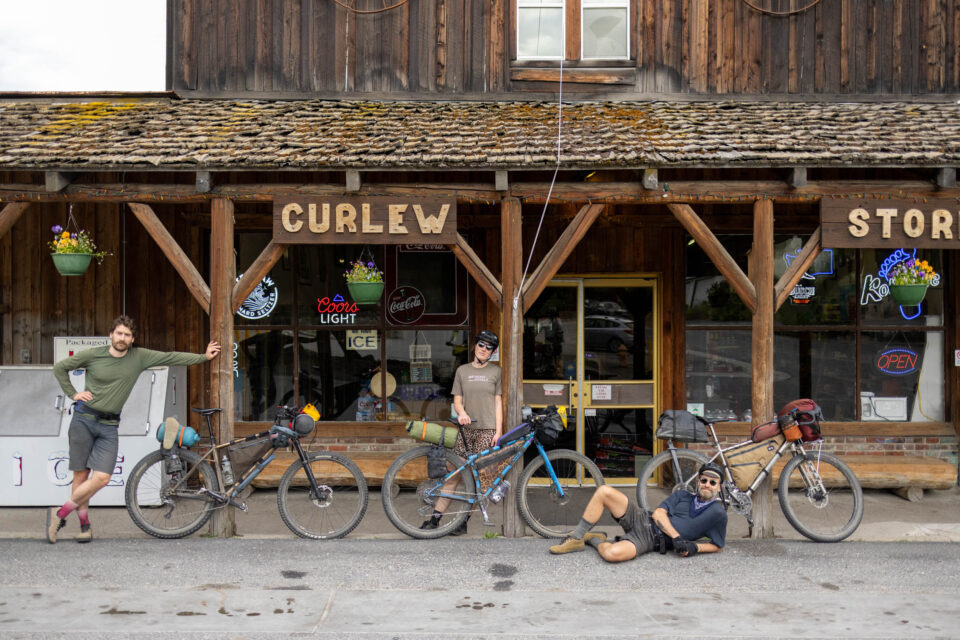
{"x":708,"y":493}
{"x":119,"y":345}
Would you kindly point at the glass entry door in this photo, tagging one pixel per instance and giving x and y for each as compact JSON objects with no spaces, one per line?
{"x":591,"y":345}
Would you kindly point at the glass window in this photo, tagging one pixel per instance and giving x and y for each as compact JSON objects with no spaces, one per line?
{"x":263,"y":372}
{"x":540,"y":29}
{"x":423,"y":364}
{"x":271,"y":303}
{"x":605,"y":32}
{"x":336,"y":369}
{"x":841,"y":338}
{"x":323,"y":298}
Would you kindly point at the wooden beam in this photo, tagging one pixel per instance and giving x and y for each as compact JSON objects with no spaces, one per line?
{"x":10,"y":214}
{"x":717,"y":253}
{"x":559,"y":253}
{"x":761,"y":273}
{"x":501,"y":181}
{"x":475,"y":267}
{"x":692,"y":191}
{"x":797,"y":268}
{"x":798,"y":177}
{"x":222,"y":276}
{"x":650,"y":180}
{"x":204,"y":182}
{"x":177,"y":257}
{"x":947,"y":178}
{"x":511,"y":343}
{"x":353,"y":181}
{"x":256,"y":272}
{"x":54,"y":181}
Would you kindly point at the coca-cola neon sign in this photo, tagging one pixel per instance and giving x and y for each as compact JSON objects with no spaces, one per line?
{"x":405,"y":305}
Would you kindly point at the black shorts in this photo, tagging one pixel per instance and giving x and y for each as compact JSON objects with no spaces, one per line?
{"x":637,"y":528}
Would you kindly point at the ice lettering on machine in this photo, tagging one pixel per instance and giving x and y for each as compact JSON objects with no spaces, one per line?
{"x":59,"y":474}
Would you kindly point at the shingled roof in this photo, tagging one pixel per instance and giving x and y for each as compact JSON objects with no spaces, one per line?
{"x":323,"y":134}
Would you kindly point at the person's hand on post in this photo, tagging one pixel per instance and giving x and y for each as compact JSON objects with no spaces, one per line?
{"x":213,"y":349}
{"x":82,"y":396}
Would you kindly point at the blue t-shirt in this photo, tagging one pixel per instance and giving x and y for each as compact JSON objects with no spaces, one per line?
{"x":711,"y":522}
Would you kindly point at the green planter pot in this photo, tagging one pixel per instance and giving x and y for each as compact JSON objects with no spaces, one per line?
{"x":365,"y":292}
{"x":71,"y":264}
{"x":908,"y":294}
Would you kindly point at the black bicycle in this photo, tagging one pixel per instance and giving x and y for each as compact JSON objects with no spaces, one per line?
{"x":172,"y":493}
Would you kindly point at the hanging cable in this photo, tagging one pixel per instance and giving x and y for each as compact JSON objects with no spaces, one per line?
{"x":556,"y":169}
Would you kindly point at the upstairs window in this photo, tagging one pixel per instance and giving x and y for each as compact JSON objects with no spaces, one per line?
{"x":598,"y":29}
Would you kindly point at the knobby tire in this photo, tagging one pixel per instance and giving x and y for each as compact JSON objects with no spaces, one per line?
{"x":339,"y":506}
{"x":165,"y":514}
{"x":540,"y":504}
{"x":823,"y":514}
{"x":658,"y":478}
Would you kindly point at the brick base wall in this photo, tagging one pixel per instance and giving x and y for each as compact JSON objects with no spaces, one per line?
{"x":944,"y":447}
{"x":348,"y":444}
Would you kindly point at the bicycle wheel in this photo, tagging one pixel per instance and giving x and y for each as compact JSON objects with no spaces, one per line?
{"x":660,"y":477}
{"x":333,"y":512}
{"x":161,"y":509}
{"x":821,"y":497}
{"x":539,"y":502}
{"x":409,"y":495}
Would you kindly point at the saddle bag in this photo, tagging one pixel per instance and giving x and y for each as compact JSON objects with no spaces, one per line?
{"x":549,"y":424}
{"x":809,"y":414}
{"x":681,"y":426}
{"x":432,"y":433}
{"x":746,"y":460}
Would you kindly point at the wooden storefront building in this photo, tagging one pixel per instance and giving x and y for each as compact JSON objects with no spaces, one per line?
{"x":707,"y":220}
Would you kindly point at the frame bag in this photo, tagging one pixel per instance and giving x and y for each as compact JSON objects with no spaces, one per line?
{"x":548,"y":426}
{"x":748,"y":459}
{"x":681,"y":426}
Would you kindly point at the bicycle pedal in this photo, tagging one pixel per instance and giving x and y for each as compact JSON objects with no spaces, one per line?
{"x":239,"y":505}
{"x":486,"y":518}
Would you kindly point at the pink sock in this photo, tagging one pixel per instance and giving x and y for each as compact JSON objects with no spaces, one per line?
{"x":65,"y":510}
{"x":84,"y":515}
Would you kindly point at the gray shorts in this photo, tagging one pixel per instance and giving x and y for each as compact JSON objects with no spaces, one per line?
{"x":92,"y":445}
{"x":636,"y":528}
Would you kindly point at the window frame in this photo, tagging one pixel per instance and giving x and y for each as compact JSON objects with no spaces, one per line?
{"x":572,"y":19}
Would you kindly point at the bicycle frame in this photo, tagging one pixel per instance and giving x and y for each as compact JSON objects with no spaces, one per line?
{"x":476,"y":460}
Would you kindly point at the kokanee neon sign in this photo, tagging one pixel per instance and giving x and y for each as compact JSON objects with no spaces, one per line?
{"x":899,"y":361}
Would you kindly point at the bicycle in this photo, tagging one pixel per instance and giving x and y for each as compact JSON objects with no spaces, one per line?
{"x":819,"y":494}
{"x":171,"y":494}
{"x":551,"y":492}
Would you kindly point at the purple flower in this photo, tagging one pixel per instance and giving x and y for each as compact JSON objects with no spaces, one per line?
{"x":371,"y":265}
{"x":56,"y":228}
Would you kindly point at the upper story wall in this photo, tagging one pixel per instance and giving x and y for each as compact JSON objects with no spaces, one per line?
{"x":303,"y":48}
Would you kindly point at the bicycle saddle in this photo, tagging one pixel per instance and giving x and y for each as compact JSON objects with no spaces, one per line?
{"x":207,"y":412}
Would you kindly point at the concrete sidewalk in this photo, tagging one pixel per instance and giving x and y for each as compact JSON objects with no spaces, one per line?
{"x":887,"y":518}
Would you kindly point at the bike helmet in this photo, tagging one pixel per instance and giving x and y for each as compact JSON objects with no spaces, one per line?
{"x":489,"y":337}
{"x":711,"y":468}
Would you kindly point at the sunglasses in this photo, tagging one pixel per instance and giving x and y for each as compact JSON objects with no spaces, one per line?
{"x":709,"y":481}
{"x":485,"y":345}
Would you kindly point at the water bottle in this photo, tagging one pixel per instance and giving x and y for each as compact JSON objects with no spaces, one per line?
{"x":499,"y":491}
{"x":227,"y":470}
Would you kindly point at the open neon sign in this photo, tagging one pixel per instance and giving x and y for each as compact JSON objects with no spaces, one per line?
{"x":899,"y":361}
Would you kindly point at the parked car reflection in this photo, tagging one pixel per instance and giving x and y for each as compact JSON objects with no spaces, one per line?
{"x":607,"y":333}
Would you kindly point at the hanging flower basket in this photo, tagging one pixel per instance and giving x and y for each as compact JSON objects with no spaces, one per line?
{"x":365,"y":292}
{"x":71,"y":264}
{"x":908,"y":294}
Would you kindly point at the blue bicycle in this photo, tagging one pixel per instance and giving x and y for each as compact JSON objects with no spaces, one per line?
{"x":552,"y":491}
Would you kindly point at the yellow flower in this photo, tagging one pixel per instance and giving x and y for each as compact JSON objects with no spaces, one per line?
{"x":65,"y":234}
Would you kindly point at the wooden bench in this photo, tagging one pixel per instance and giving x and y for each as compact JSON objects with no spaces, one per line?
{"x":907,"y":476}
{"x":373,"y":465}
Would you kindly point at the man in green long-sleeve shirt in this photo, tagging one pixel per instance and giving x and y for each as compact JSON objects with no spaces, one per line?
{"x":111,"y":373}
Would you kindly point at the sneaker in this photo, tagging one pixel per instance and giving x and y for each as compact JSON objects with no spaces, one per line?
{"x":599,"y":535}
{"x":429,"y":524}
{"x":54,"y":524}
{"x":86,"y":533}
{"x":569,"y":545}
{"x":460,"y":530}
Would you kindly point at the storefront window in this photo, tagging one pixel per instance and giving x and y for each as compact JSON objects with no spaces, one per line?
{"x":330,"y":351}
{"x":841,"y":338}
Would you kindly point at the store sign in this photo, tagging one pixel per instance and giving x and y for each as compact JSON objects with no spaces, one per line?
{"x":362,"y":340}
{"x":405,"y":305}
{"x":337,"y":310}
{"x":362,"y":220}
{"x":899,"y":361}
{"x":261,"y":302}
{"x":934,"y":224}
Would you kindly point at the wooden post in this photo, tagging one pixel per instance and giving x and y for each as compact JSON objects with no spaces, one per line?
{"x":10,"y":214}
{"x":761,"y":274}
{"x":511,"y":342}
{"x":222,"y":276}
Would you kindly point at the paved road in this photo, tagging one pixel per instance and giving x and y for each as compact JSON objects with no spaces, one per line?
{"x":472,"y":588}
